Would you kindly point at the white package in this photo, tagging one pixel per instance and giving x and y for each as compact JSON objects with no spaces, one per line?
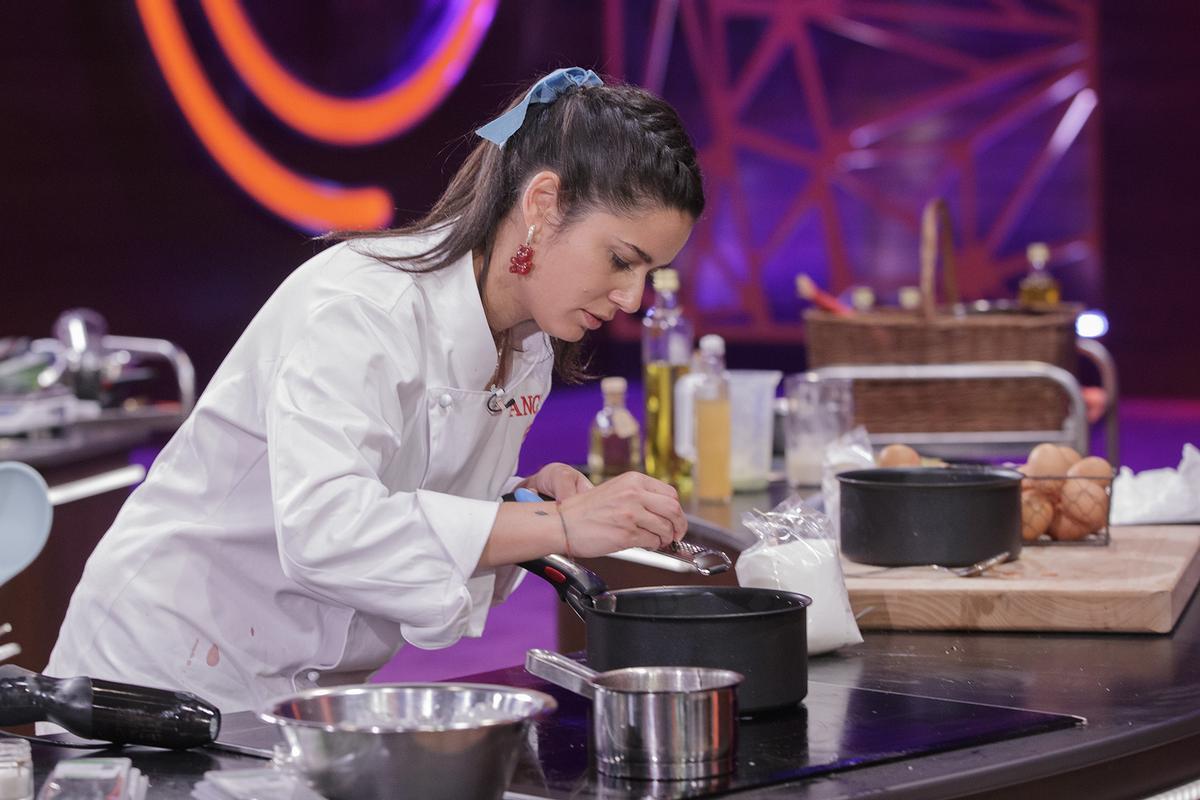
{"x":1158,"y":496}
{"x":796,"y":552}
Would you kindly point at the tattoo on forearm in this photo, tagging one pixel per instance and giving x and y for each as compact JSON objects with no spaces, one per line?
{"x":541,"y":513}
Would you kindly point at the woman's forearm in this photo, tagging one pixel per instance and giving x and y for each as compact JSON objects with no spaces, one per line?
{"x":523,"y":531}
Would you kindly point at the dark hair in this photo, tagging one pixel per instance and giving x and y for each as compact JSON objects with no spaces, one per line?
{"x":614,"y":147}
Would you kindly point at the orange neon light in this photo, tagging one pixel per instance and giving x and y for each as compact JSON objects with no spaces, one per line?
{"x":348,"y":121}
{"x":311,"y":205}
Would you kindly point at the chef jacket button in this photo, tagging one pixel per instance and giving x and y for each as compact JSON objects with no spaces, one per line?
{"x":445,"y":401}
{"x":313,"y":675}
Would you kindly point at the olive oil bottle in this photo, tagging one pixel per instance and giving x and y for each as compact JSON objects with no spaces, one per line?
{"x":666,"y":351}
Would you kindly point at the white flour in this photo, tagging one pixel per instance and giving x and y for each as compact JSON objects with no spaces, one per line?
{"x":810,"y":567}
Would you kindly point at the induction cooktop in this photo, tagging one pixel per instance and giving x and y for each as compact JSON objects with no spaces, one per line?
{"x":836,"y":728}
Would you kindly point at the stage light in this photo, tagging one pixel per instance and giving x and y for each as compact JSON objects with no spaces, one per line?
{"x":1091,"y":324}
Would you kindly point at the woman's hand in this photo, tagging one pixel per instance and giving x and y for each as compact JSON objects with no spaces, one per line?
{"x":631,"y":510}
{"x":558,"y":481}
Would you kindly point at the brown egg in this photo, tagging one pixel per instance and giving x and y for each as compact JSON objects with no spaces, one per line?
{"x":1092,"y":467}
{"x":898,"y":455}
{"x":1036,"y":513}
{"x":1085,"y":500}
{"x":1047,"y":464}
{"x":1027,"y":484}
{"x":1066,"y":528}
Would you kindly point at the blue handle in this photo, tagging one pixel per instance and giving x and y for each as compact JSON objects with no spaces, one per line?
{"x":524,"y":495}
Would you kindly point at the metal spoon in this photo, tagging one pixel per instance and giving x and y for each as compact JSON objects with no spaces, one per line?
{"x":978,"y":568}
{"x":971,"y":571}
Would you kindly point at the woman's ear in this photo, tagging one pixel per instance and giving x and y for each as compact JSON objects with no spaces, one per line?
{"x":539,"y":203}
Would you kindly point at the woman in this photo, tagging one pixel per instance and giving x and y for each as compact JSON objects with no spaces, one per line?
{"x":335,"y":493}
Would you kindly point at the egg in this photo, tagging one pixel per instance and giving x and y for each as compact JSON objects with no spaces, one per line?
{"x":1092,"y":467}
{"x":898,"y":455}
{"x":1036,"y":514}
{"x":1047,"y":465}
{"x":1085,"y":500}
{"x":1066,"y":528}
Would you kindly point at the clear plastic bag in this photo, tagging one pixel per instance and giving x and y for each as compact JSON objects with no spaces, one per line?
{"x":94,"y":779}
{"x":797,"y":552}
{"x":851,"y":450}
{"x":253,"y":784}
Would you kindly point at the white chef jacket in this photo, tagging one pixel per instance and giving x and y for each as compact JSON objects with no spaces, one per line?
{"x":327,"y":500}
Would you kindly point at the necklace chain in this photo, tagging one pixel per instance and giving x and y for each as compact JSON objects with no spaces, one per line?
{"x":501,"y":342}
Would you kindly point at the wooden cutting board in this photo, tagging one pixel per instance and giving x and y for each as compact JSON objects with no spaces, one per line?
{"x":1139,"y":583}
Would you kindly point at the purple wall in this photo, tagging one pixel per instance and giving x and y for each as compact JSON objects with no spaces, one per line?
{"x":109,"y":200}
{"x":1150,"y":82}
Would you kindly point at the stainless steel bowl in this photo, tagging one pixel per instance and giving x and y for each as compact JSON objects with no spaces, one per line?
{"x":403,"y":740}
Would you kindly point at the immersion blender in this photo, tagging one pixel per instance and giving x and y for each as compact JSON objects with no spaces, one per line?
{"x":108,"y":711}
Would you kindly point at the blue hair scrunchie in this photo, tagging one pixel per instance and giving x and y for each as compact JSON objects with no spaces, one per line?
{"x":546,"y":90}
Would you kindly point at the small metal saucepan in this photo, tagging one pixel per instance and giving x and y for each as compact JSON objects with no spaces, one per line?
{"x":760,"y":633}
{"x":653,"y":723}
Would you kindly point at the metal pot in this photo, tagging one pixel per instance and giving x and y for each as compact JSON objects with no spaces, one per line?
{"x":950,"y":516}
{"x":424,"y":740}
{"x":760,"y":633}
{"x":653,"y":723}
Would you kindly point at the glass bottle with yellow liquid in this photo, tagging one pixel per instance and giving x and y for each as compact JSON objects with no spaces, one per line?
{"x":666,"y":351}
{"x":1038,"y":289}
{"x":713,"y":435}
{"x":616,"y":440}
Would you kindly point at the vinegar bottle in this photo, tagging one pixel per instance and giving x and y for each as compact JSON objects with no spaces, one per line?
{"x":666,"y":350}
{"x":713,"y":423}
{"x":1038,"y":288}
{"x":616,"y":440}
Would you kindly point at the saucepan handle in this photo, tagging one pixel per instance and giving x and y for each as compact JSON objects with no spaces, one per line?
{"x":576,"y":585}
{"x":561,"y":671}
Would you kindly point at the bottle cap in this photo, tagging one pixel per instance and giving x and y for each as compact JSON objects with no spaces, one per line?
{"x":613,"y":385}
{"x":910,"y":298}
{"x":862,"y":298}
{"x":712,"y":345}
{"x":666,"y":280}
{"x":1038,"y":254}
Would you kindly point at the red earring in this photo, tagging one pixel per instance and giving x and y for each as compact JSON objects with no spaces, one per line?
{"x":522,"y":261}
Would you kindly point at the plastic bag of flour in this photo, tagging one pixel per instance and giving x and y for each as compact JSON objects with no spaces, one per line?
{"x":797,"y":552}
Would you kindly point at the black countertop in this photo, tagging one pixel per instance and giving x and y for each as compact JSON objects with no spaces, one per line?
{"x":1140,"y":694}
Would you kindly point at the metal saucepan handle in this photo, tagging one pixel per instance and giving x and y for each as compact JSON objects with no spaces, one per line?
{"x":561,"y":671}
{"x":568,"y":578}
{"x":575,"y":584}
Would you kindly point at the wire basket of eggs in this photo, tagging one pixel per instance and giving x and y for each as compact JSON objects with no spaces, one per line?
{"x":1065,"y":498}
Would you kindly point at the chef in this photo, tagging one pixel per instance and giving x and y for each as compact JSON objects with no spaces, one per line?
{"x":335,"y":493}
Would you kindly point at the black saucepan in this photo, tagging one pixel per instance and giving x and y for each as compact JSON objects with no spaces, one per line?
{"x":954,"y":516}
{"x":760,"y":633}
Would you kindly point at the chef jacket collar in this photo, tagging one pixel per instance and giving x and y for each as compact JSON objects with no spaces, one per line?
{"x":470,"y":344}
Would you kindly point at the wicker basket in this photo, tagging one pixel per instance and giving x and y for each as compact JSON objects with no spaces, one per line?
{"x":948,"y":334}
